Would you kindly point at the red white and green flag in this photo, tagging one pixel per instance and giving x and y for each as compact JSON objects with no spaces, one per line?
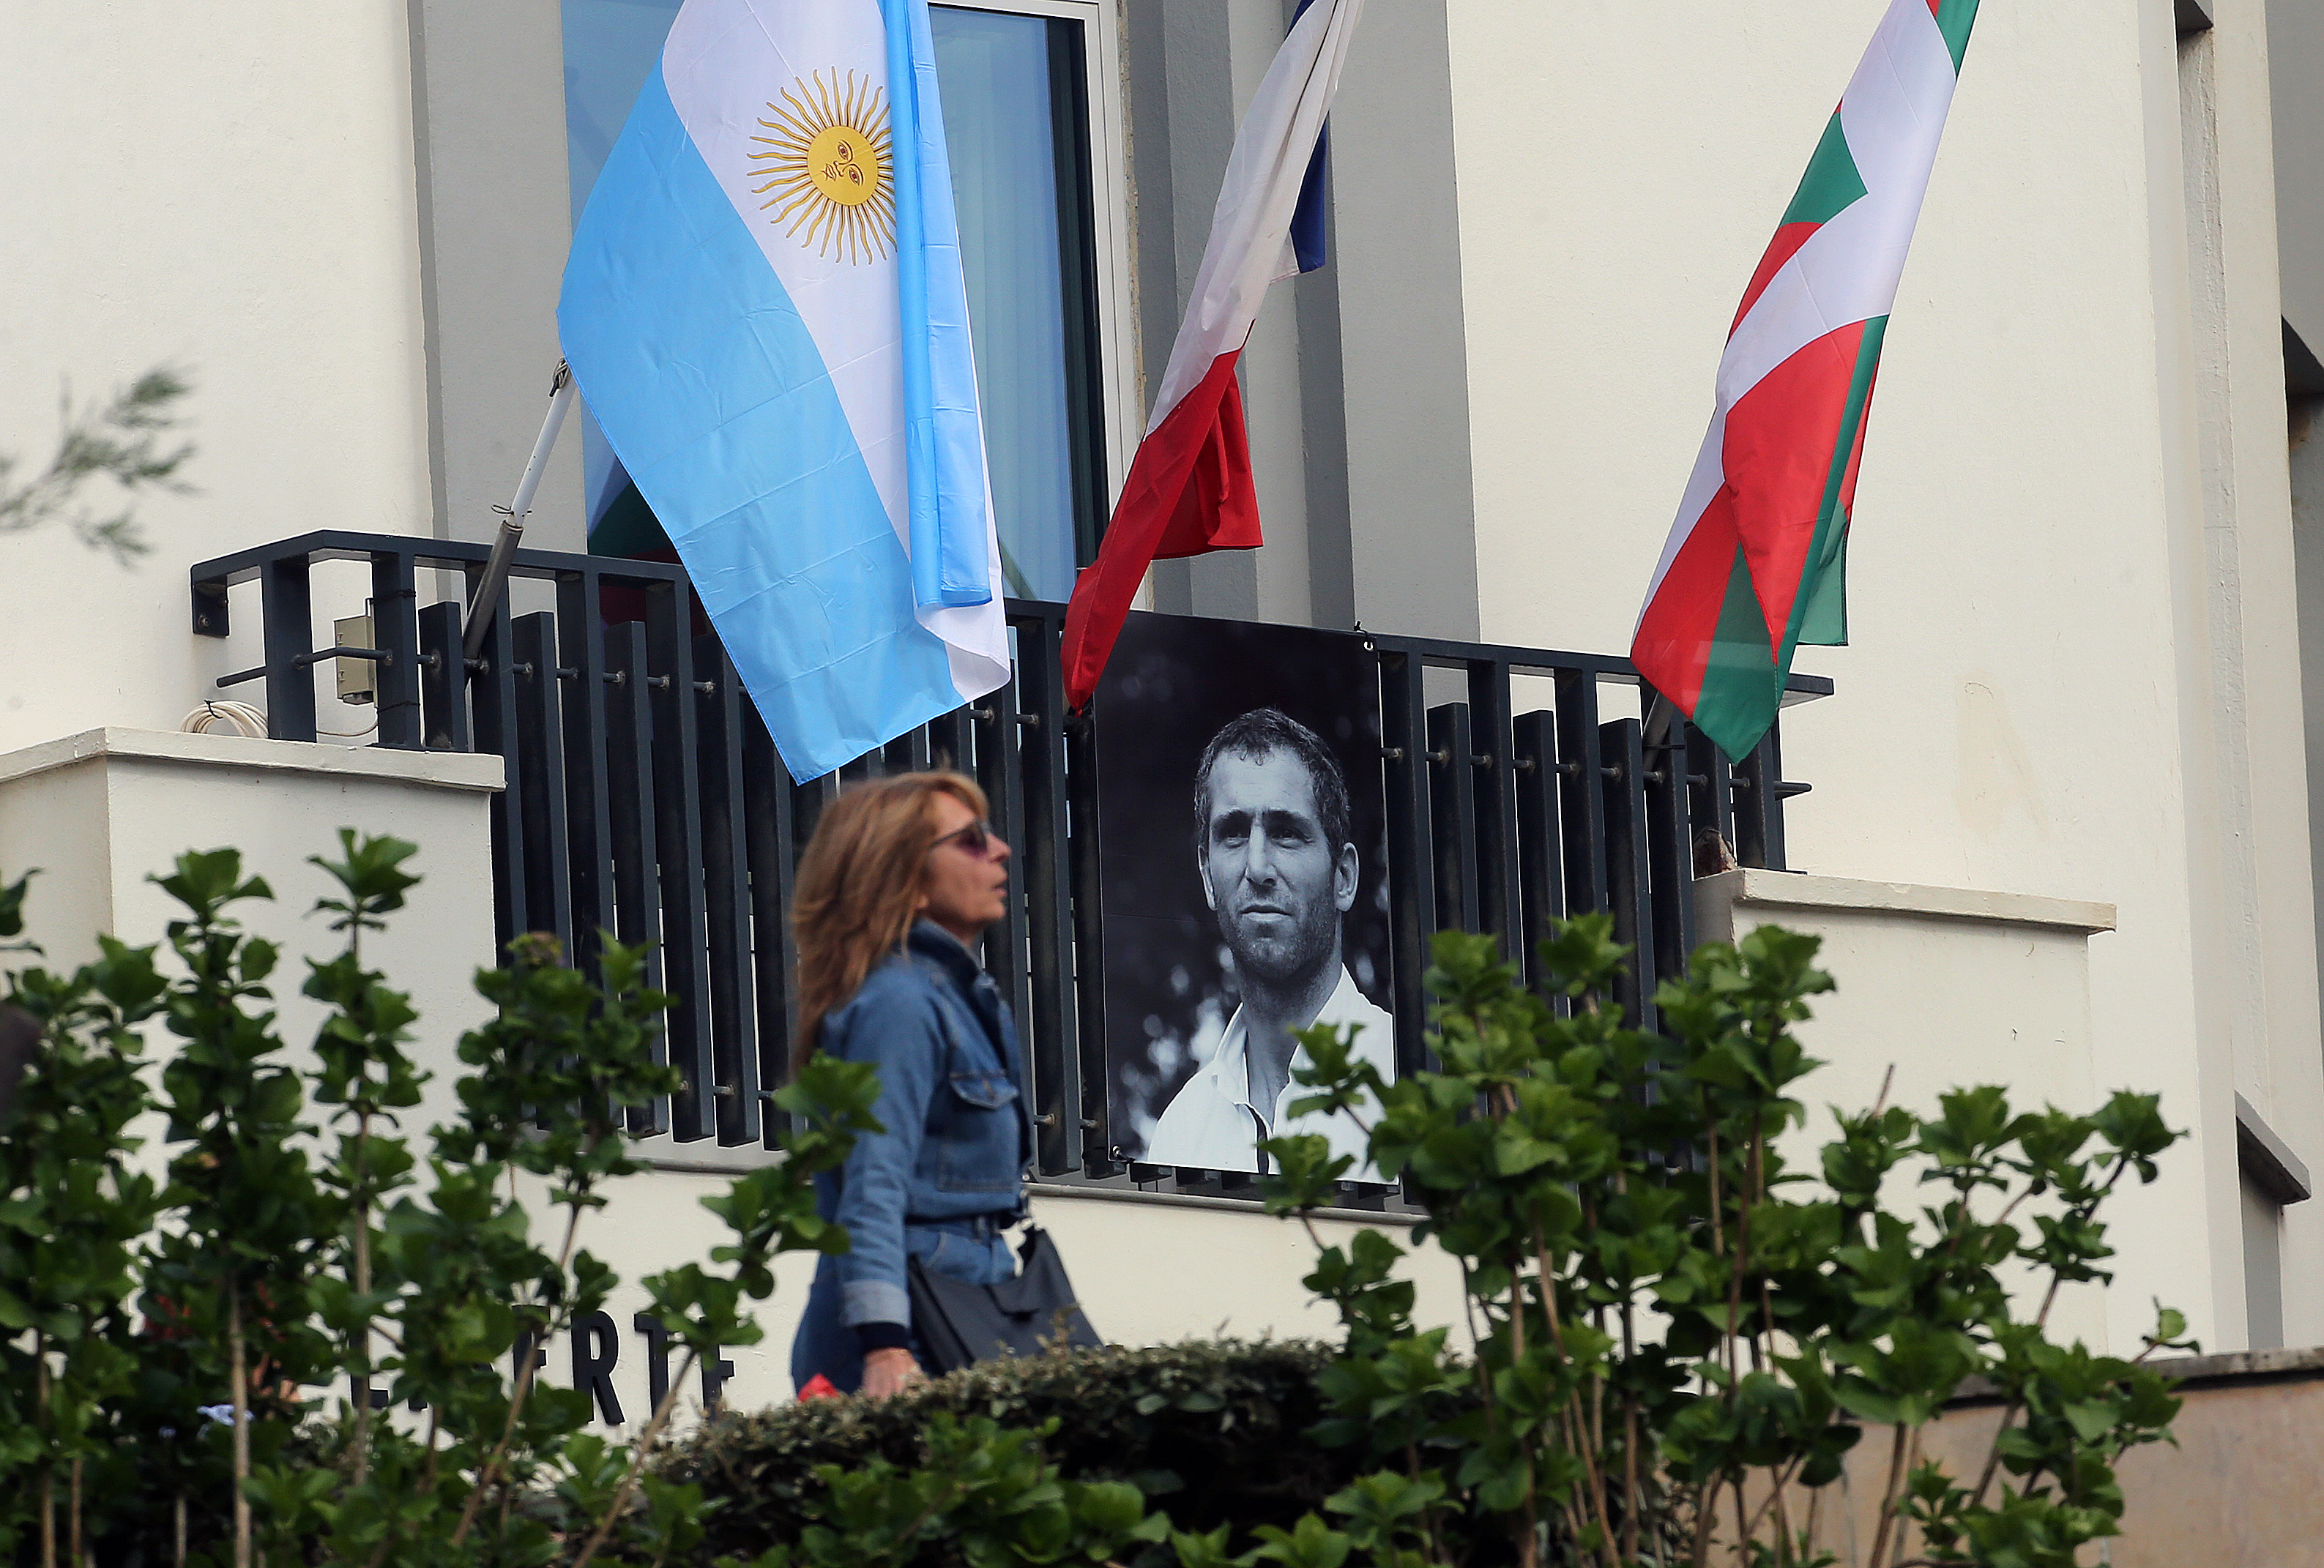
{"x":1755,"y":564}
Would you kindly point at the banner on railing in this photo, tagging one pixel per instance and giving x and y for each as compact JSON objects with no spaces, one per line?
{"x":1242,"y":831}
{"x":1157,"y":964}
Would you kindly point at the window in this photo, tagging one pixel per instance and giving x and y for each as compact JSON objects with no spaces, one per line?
{"x":1023,"y":87}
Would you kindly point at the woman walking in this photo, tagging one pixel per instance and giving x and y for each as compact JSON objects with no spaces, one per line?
{"x":895,"y":892}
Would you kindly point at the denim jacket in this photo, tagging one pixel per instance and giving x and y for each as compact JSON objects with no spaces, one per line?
{"x":959,"y":1136}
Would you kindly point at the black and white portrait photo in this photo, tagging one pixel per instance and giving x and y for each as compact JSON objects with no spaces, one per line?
{"x":1242,"y":848}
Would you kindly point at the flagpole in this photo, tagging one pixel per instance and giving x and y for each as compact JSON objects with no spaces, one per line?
{"x":497,"y":565}
{"x":1660,"y":712}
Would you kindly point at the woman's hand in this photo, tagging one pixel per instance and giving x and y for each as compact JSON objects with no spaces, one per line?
{"x":888,"y":1371}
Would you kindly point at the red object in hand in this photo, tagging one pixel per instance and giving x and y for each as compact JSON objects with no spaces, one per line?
{"x":819,"y":1388}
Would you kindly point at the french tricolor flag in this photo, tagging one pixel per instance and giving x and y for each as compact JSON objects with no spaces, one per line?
{"x":1189,"y":490}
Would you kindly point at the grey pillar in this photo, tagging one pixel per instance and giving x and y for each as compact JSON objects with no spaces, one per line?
{"x":1403,"y":335}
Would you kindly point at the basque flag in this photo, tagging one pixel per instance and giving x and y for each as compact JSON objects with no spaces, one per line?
{"x":1189,"y":490}
{"x":1757,"y":561}
{"x":765,"y":308}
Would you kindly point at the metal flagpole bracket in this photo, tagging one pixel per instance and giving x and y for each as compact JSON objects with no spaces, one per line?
{"x":481,"y":603}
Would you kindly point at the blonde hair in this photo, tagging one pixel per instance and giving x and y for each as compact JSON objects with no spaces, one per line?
{"x":861,"y":883}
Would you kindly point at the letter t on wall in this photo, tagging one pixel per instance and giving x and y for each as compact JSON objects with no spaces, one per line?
{"x":656,"y":1356}
{"x":717,"y":1369}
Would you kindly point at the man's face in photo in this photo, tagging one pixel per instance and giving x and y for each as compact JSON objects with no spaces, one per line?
{"x":1279,"y":887}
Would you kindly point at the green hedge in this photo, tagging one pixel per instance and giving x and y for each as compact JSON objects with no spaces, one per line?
{"x":1213,"y":1431}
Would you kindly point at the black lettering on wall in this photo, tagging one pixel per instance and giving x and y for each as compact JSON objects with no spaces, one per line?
{"x":657,"y":1357}
{"x":716,"y":1371}
{"x":596,"y":1348}
{"x":527,"y":1346}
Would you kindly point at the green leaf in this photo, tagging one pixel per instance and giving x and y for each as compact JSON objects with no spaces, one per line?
{"x":2092,"y":1419}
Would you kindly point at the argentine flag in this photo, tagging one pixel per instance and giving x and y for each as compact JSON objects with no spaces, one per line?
{"x":765,"y":309}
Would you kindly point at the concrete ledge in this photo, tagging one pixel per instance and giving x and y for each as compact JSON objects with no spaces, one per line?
{"x":1091,"y":1191}
{"x":2267,"y":1160}
{"x":732,"y":1162}
{"x":2244,"y":1367}
{"x":445,"y":770}
{"x":2229,"y":1369}
{"x":1791,"y":890}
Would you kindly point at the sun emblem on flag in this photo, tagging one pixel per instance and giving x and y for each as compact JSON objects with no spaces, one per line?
{"x":827,"y":174}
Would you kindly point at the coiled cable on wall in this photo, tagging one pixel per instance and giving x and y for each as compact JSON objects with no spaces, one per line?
{"x":233,"y":718}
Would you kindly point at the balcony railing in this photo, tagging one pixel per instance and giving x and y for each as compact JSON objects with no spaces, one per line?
{"x":645,"y":797}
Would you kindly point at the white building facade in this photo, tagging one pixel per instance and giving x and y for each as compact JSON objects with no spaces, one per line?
{"x":2061,"y":829}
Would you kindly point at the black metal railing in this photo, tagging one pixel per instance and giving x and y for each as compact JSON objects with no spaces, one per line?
{"x":645,"y":797}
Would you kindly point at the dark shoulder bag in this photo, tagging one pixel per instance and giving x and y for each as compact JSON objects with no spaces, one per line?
{"x":959,"y":1324}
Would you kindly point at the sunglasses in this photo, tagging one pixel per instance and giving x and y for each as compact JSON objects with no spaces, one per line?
{"x":977,"y":838}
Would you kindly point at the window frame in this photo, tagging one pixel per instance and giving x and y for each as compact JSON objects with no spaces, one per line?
{"x":1122,"y":412}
